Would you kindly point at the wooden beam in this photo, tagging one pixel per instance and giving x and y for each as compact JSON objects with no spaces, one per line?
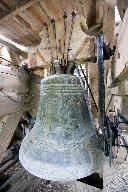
{"x":8,"y":44}
{"x":14,"y":56}
{"x":27,"y":16}
{"x":122,"y":76}
{"x":13,"y":86}
{"x":122,"y":6}
{"x":90,"y":12}
{"x":21,"y":181}
{"x":7,"y":131}
{"x":108,"y":30}
{"x":18,"y":10}
{"x":120,"y":65}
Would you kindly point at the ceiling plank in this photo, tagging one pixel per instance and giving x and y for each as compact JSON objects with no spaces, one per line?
{"x":26,"y":15}
{"x":18,"y":10}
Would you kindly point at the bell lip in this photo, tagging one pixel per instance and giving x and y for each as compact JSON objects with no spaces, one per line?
{"x":52,"y":177}
{"x":40,"y":170}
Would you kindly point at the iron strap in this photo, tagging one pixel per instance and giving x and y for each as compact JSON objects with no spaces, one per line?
{"x":101,"y":86}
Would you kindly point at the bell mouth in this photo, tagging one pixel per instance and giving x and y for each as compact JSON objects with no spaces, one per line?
{"x":50,"y":172}
{"x":60,"y":168}
{"x":64,"y":165}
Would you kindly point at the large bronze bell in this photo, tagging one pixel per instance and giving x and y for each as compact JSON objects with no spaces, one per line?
{"x":62,"y":143}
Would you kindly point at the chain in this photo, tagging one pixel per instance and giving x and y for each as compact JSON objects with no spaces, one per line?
{"x":70,"y":34}
{"x":49,"y":42}
{"x":65,"y":31}
{"x":89,"y":88}
{"x":54,"y":31}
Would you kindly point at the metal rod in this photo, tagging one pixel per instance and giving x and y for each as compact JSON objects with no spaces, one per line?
{"x":54,"y":31}
{"x":101,"y":85}
{"x":70,"y":34}
{"x":89,"y":88}
{"x":10,"y":154}
{"x":65,"y":31}
{"x":110,"y":142}
{"x":109,"y":103}
{"x":9,"y":164}
{"x":13,"y":178}
{"x":48,"y":39}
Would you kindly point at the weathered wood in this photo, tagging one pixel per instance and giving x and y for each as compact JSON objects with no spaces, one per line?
{"x":18,"y":10}
{"x":12,"y":80}
{"x":9,"y":164}
{"x":21,"y":181}
{"x":8,"y":131}
{"x":90,"y":6}
{"x":121,"y":55}
{"x":34,"y":94}
{"x":108,"y":30}
{"x":35,"y":24}
{"x":121,"y":77}
{"x":122,"y":7}
{"x":8,"y":44}
{"x":12,"y":179}
{"x":13,"y":85}
{"x":14,"y":56}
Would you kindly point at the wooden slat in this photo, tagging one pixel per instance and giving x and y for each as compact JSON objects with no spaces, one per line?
{"x":13,"y":85}
{"x":13,"y":80}
{"x":26,"y":15}
{"x":8,"y":131}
